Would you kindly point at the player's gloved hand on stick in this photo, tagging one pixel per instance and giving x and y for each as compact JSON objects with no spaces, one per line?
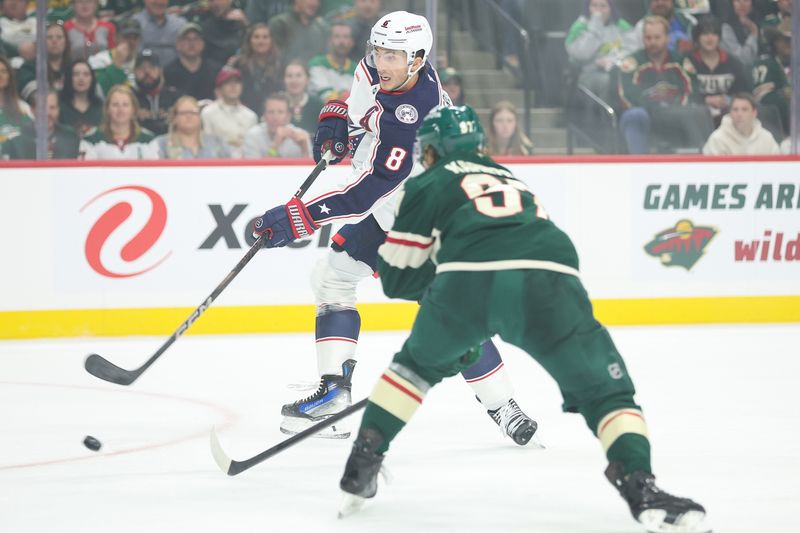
{"x":332,"y":131}
{"x":285,"y":223}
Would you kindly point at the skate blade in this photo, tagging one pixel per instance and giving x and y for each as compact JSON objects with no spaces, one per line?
{"x":536,"y":443}
{"x":350,"y":504}
{"x":293,"y":426}
{"x":689,"y":522}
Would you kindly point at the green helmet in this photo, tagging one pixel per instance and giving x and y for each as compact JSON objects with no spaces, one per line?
{"x":450,"y":129}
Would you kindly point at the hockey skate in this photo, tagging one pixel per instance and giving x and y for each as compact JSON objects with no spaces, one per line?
{"x":360,"y":478}
{"x":332,"y":396}
{"x":516,"y":424}
{"x":657,"y":510}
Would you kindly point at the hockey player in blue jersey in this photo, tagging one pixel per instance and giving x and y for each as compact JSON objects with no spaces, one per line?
{"x":394,"y":88}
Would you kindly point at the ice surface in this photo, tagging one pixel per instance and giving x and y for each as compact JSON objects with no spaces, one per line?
{"x":721,"y":403}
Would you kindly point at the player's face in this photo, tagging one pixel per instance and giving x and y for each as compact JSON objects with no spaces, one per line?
{"x":742,"y":8}
{"x":708,"y":41}
{"x":785,"y":6}
{"x":120,"y":108}
{"x":276,"y":114}
{"x":601,"y":8}
{"x":187,"y":117}
{"x":392,"y":67}
{"x":504,"y":124}
{"x":56,"y":42}
{"x":81,"y":78}
{"x":655,"y":39}
{"x":743,"y":114}
{"x":295,"y":80}
{"x":261,"y":41}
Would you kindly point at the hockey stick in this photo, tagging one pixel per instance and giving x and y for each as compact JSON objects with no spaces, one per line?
{"x":231,"y":467}
{"x":105,"y":369}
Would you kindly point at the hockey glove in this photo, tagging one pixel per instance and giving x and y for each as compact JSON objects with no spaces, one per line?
{"x":332,"y":131}
{"x":285,"y":223}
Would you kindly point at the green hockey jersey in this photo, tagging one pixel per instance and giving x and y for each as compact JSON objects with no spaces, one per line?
{"x":468,"y":213}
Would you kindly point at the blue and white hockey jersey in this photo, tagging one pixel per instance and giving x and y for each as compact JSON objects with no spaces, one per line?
{"x":383,"y":128}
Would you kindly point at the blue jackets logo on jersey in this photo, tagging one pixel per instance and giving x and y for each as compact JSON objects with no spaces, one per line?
{"x":406,"y":113}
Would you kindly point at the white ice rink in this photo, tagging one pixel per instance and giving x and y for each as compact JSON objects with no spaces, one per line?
{"x":721,"y":402}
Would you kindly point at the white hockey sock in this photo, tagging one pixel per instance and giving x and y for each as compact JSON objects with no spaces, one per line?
{"x":494,"y":388}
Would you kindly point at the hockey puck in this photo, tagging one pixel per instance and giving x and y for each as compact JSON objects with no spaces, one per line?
{"x":92,"y":443}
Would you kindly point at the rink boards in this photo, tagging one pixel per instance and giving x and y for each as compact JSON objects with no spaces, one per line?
{"x":132,"y":248}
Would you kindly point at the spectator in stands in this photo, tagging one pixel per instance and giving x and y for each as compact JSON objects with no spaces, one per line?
{"x":159,"y":29}
{"x":656,"y":92}
{"x":18,"y":29}
{"x":453,"y":85}
{"x":154,"y":96}
{"x":719,"y":75}
{"x":332,"y":73}
{"x":504,"y":134}
{"x":304,"y":107}
{"x":276,"y":136}
{"x":115,"y":66}
{"x":227,"y":117}
{"x":185,"y":138}
{"x":191,"y":73}
{"x":14,"y":113}
{"x":775,"y":19}
{"x":770,"y":72}
{"x":300,"y":33}
{"x":740,"y":33}
{"x":81,"y":107}
{"x":62,"y":141}
{"x":87,"y":34}
{"x":595,"y":44}
{"x":58,"y":59}
{"x":679,"y":25}
{"x":264,"y":10}
{"x":223,"y":29}
{"x":261,"y":66}
{"x":740,"y":132}
{"x":361,"y":18}
{"x":119,"y":136}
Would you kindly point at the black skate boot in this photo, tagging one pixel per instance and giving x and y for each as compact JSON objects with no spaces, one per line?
{"x":360,"y":478}
{"x":657,"y":510}
{"x":332,"y":396}
{"x":514,"y":423}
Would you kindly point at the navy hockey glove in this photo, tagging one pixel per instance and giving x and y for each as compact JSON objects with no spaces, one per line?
{"x":332,"y":131}
{"x":285,"y":223}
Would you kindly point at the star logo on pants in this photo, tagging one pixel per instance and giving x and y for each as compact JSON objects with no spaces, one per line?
{"x":324,"y":209}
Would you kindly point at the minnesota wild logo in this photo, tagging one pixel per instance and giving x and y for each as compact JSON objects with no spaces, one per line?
{"x":682,"y":245}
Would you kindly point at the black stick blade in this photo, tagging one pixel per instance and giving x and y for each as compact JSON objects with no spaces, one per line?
{"x":108,"y":371}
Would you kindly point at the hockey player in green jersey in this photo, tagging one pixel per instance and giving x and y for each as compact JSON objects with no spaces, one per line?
{"x":474,"y":246}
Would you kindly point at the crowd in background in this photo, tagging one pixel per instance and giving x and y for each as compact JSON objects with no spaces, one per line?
{"x":179,"y":79}
{"x":687,"y":69}
{"x":148,"y":79}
